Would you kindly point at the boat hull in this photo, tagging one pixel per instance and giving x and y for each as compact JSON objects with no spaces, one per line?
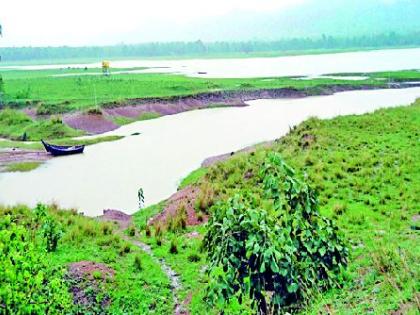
{"x":57,"y":150}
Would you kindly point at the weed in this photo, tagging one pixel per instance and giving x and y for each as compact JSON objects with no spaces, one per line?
{"x":194,"y":257}
{"x":137,"y":263}
{"x":173,"y":248}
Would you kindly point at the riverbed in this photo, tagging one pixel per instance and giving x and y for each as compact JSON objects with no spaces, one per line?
{"x":108,"y":175}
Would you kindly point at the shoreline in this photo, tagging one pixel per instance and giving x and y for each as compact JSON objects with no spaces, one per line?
{"x":133,"y":109}
{"x":96,"y":124}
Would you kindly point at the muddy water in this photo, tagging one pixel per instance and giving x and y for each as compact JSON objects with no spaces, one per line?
{"x":108,"y":175}
{"x":307,"y":65}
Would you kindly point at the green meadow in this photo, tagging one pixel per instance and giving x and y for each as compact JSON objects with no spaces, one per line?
{"x":52,"y":94}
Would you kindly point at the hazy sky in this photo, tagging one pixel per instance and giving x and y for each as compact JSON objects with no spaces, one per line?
{"x":93,"y":22}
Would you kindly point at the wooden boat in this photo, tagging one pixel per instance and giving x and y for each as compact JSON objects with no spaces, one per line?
{"x":58,"y":150}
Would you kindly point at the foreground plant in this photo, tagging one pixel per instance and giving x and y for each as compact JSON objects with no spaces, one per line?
{"x":272,"y":245}
{"x":28,"y":285}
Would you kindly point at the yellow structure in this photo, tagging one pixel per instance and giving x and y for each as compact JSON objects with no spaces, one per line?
{"x":105,"y":67}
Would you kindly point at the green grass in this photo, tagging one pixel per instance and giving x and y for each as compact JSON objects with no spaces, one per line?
{"x":142,"y":216}
{"x":132,"y":290}
{"x":193,"y":177}
{"x":22,"y":166}
{"x":17,"y":125}
{"x":38,"y":88}
{"x":366,"y":171}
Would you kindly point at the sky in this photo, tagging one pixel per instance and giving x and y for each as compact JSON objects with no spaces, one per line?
{"x":103,"y":22}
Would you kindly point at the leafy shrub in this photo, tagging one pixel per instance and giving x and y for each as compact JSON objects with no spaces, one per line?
{"x":52,"y":233}
{"x":276,"y":253}
{"x":13,"y":117}
{"x":28,"y":284}
{"x":50,"y":229}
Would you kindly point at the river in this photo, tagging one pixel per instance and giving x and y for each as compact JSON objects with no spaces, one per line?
{"x":108,"y":175}
{"x":305,"y":65}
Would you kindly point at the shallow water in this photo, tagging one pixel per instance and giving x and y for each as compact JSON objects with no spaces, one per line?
{"x":108,"y":175}
{"x":307,"y":65}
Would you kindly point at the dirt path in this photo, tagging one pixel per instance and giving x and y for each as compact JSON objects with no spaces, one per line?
{"x":170,"y":273}
{"x":124,"y":221}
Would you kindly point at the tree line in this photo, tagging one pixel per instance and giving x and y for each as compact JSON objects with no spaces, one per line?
{"x":200,"y":48}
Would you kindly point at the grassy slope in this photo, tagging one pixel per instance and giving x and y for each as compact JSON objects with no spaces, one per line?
{"x":366,"y":171}
{"x":131,"y":291}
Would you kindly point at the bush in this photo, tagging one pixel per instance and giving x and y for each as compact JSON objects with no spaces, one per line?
{"x":50,"y":229}
{"x":28,"y":284}
{"x":52,"y":233}
{"x":276,"y":253}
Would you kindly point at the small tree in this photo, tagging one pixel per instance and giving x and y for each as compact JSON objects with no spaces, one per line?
{"x":50,"y":230}
{"x":276,"y":251}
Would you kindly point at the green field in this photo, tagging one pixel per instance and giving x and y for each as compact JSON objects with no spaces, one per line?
{"x":52,"y":95}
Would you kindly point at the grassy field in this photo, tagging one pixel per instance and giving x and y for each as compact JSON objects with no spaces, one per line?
{"x":366,"y":171}
{"x":51,"y":95}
